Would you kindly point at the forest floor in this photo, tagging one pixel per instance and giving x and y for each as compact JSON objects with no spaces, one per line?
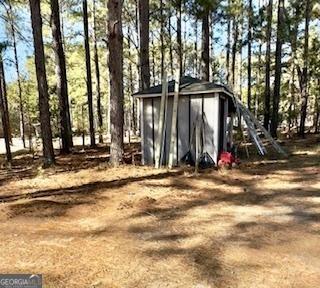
{"x":85,"y":224}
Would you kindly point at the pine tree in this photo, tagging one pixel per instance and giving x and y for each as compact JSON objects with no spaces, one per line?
{"x":115,"y":64}
{"x":62,"y":83}
{"x":46,"y":132}
{"x":267,"y":91}
{"x":144,"y":44}
{"x":88,"y":69}
{"x":4,"y":111}
{"x":278,"y":74}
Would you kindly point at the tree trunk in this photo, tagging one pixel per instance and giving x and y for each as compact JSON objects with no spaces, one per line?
{"x":212,"y":58}
{"x":277,"y":81}
{"x":5,"y":99}
{"x":88,"y":69}
{"x":170,"y":45}
{"x":46,"y":132}
{"x":196,"y":48}
{"x":234,"y":51}
{"x":249,"y":53}
{"x":144,"y":44}
{"x":62,"y":83}
{"x":205,"y":53}
{"x":97,"y":70}
{"x":115,"y":63}
{"x":228,"y":47}
{"x":153,"y":61}
{"x":267,"y":91}
{"x":304,"y":73}
{"x":132,"y":111}
{"x":16,"y":62}
{"x":317,"y":109}
{"x":179,"y":36}
{"x":4,"y":113}
{"x":162,"y":46}
{"x":259,"y":76}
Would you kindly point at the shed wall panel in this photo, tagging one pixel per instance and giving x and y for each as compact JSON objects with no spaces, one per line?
{"x":168,"y":130}
{"x":210,"y":112}
{"x":183,"y":127}
{"x":195,"y":112}
{"x":147,"y":132}
{"x":156,"y":114}
{"x":225,"y":124}
{"x":188,"y":112}
{"x":216,"y":124}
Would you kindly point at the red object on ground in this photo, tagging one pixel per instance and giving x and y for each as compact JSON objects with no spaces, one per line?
{"x":227,"y":159}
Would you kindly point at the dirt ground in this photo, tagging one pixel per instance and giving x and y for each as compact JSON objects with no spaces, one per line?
{"x":84,"y":224}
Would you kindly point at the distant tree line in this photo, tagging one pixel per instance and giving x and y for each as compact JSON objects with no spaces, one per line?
{"x":82,"y":73}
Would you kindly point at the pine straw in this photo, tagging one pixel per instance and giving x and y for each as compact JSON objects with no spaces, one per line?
{"x":133,"y":226}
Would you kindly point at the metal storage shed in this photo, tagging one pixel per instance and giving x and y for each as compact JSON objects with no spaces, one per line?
{"x":212,"y":102}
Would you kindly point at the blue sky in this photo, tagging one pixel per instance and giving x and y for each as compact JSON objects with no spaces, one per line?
{"x":24,"y":48}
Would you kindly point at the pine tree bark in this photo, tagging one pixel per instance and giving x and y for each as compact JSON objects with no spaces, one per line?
{"x":153,"y":61}
{"x":196,"y":70}
{"x":62,"y":83}
{"x":212,"y":41}
{"x":46,"y":132}
{"x":170,"y":45}
{"x":292,"y":85}
{"x":205,"y":53}
{"x":303,"y":75}
{"x":277,"y":81}
{"x":132,"y":111}
{"x":179,"y":35}
{"x":228,"y":46}
{"x":234,"y":51}
{"x":249,"y":53}
{"x":115,"y":64}
{"x":5,"y":98}
{"x":317,"y":110}
{"x":97,"y":70}
{"x":16,"y":63}
{"x":88,"y":69}
{"x":144,"y":44}
{"x":162,"y":46}
{"x":4,"y":113}
{"x":267,"y":91}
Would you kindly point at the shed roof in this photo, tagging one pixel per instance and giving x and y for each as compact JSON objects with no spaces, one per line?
{"x":188,"y":85}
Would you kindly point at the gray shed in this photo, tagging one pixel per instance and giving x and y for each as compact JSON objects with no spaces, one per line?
{"x":212,"y":102}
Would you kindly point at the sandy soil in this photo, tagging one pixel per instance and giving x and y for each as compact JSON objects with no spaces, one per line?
{"x":84,"y":224}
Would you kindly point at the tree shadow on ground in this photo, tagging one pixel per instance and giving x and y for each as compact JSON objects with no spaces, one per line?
{"x":266,"y":229}
{"x":26,"y":166}
{"x":89,"y":188}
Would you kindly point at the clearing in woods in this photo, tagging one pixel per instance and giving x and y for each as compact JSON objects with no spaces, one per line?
{"x":83,"y":224}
